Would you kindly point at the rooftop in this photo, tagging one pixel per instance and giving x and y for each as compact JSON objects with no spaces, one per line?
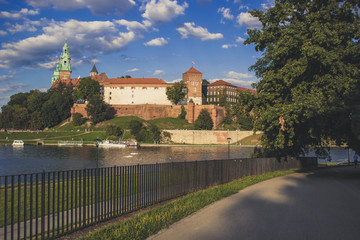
{"x":192,"y":70}
{"x":134,"y":81}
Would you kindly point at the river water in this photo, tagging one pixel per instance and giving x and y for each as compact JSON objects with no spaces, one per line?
{"x":33,"y":159}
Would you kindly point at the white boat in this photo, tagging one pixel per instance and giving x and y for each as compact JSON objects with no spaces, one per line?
{"x":18,"y":143}
{"x":107,"y":143}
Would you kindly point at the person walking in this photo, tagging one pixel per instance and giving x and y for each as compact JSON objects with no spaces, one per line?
{"x":356,"y":157}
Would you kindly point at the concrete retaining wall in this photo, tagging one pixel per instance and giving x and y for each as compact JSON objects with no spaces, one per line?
{"x":207,"y":137}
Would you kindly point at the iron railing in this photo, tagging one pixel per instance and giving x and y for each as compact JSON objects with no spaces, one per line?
{"x":51,"y":204}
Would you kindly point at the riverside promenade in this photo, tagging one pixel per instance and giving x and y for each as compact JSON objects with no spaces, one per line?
{"x":323,"y":204}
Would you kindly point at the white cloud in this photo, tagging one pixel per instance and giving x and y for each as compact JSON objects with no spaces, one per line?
{"x":245,"y":19}
{"x":28,"y":25}
{"x":175,"y":80}
{"x":233,"y":74}
{"x":188,"y":30}
{"x":9,"y":89}
{"x":134,"y":26}
{"x":20,"y":14}
{"x":161,"y":11}
{"x":225,"y":14}
{"x":93,"y":37}
{"x":228,"y":46}
{"x":159,"y":72}
{"x":133,"y":70}
{"x":97,"y":7}
{"x":6,"y":77}
{"x":3,"y":33}
{"x":157,"y":42}
{"x":240,"y":39}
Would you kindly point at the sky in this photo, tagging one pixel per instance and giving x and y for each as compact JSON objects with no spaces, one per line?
{"x":140,"y":38}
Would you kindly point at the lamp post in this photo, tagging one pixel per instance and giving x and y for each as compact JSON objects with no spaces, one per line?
{"x":229,"y":139}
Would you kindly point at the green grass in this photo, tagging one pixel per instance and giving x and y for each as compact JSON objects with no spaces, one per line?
{"x":152,"y":221}
{"x":172,"y":123}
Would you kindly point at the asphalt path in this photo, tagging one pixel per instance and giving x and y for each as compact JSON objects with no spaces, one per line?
{"x":323,"y":204}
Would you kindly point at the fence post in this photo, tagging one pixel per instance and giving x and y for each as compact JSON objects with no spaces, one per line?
{"x":43,"y":205}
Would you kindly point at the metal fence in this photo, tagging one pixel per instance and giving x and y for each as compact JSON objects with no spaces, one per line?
{"x":51,"y":204}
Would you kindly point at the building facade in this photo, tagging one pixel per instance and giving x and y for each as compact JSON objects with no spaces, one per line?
{"x":221,"y":92}
{"x":135,"y":91}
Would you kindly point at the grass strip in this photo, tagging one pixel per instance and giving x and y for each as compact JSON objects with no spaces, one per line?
{"x":152,"y":221}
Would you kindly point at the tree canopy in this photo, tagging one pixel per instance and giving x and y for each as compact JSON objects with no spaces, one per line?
{"x":175,"y":93}
{"x":204,"y":121}
{"x":86,"y":89}
{"x":309,"y":88}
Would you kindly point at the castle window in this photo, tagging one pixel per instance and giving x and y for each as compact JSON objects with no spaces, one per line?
{"x":121,"y":87}
{"x":156,"y":88}
{"x":132,"y":87}
{"x":109,"y":98}
{"x":144,"y":88}
{"x":194,"y":89}
{"x":110,"y":93}
{"x":132,"y":96}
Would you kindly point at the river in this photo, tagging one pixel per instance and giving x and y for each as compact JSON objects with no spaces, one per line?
{"x":33,"y":159}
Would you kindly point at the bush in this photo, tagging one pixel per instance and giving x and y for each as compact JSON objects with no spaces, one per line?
{"x":135,"y":127}
{"x":182,"y":115}
{"x":204,"y":121}
{"x":112,"y":130}
{"x":77,"y":119}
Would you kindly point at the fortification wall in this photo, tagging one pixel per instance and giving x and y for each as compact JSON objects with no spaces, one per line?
{"x":152,"y":111}
{"x":207,"y":137}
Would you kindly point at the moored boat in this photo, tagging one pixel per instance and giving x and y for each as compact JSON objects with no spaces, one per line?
{"x":107,"y":143}
{"x":18,"y":143}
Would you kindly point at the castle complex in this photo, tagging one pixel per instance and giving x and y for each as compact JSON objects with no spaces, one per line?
{"x":142,"y":97}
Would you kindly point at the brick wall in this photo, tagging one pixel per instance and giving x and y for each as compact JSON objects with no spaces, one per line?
{"x":152,"y":111}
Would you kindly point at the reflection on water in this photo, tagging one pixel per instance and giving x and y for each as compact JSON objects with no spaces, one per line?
{"x":31,"y":159}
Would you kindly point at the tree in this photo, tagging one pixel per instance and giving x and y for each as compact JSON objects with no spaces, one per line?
{"x":309,"y":72}
{"x":183,"y":113}
{"x":97,"y":109}
{"x":113,"y":130}
{"x":87,"y":89}
{"x":36,"y":121}
{"x":135,"y":127}
{"x":175,"y":93}
{"x":156,"y":133}
{"x":77,"y":119}
{"x":204,"y":121}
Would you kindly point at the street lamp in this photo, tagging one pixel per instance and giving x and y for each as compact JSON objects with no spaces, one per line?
{"x":229,"y":139}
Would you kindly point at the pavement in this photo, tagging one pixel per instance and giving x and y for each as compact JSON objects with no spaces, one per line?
{"x":323,"y":204}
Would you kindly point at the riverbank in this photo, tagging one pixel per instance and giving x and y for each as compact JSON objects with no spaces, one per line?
{"x":150,"y":221}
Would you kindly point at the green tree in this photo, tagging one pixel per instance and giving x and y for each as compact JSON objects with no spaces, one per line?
{"x":35,"y":100}
{"x":20,"y":118}
{"x":135,"y":127}
{"x":87,"y":89}
{"x":77,"y":119}
{"x":36,"y":121}
{"x":113,"y":130}
{"x":183,"y":113}
{"x":204,"y":121}
{"x":156,"y":133}
{"x":175,"y":93}
{"x":308,"y":93}
{"x":97,"y":109}
{"x":19,"y":99}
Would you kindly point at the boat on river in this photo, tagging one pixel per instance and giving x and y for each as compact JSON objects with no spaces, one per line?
{"x":110,"y":144}
{"x":18,"y":143}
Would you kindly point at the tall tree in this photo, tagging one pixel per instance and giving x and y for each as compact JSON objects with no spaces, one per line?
{"x":204,"y":121}
{"x":175,"y":93}
{"x":86,"y":89}
{"x":97,"y":109}
{"x":309,"y":72}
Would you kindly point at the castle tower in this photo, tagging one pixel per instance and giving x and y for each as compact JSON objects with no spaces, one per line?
{"x":65,"y":66}
{"x":56,"y":73}
{"x":192,"y":79}
{"x":94,"y":71}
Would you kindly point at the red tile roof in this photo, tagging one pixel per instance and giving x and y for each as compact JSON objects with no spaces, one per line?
{"x":100,"y":78}
{"x":221,"y":83}
{"x":134,"y":81}
{"x":192,"y":70}
{"x":241,"y":89}
{"x":74,"y":82}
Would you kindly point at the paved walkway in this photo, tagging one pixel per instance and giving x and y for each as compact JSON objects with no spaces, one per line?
{"x":324,"y":204}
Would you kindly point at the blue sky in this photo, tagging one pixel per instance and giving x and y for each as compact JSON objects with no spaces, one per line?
{"x":141,"y":38}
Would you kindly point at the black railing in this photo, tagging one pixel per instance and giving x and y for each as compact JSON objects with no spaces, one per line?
{"x":51,"y":204}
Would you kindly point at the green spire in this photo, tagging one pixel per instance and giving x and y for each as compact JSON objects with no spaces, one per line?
{"x":56,"y":73}
{"x":65,"y":58}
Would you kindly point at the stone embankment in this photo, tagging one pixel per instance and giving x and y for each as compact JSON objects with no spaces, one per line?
{"x":207,"y":137}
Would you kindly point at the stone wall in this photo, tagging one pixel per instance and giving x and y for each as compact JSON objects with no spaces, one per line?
{"x":207,"y":137}
{"x":153,"y":111}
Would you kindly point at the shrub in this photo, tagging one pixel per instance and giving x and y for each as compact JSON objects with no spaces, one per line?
{"x":77,"y":119}
{"x":204,"y":121}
